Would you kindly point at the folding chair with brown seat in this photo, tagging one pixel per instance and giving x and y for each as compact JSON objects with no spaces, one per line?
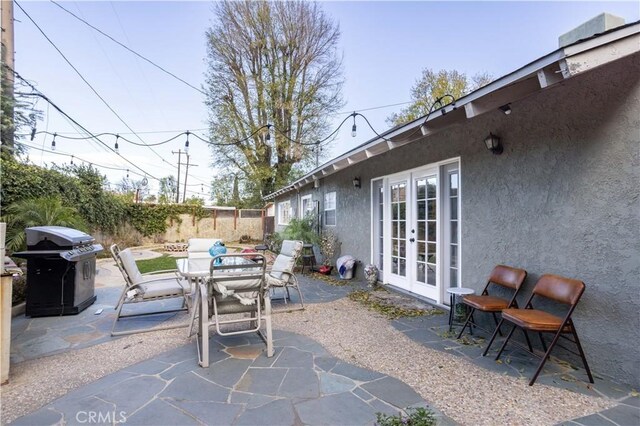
{"x":503,"y":276}
{"x":556,"y":288}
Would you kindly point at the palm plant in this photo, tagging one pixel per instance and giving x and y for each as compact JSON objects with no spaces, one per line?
{"x":38,"y":212}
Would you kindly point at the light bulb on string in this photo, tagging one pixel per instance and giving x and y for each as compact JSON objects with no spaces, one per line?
{"x":268,"y":137}
{"x":201,"y":188}
{"x":127,"y":173}
{"x":186,"y":144}
{"x":116,"y":145}
{"x":53,"y":142}
{"x":72,"y":160}
{"x":353,"y":128}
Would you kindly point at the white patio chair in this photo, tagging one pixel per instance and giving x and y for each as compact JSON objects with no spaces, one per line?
{"x":281,"y":274}
{"x":236,"y":286}
{"x":144,"y":288}
{"x":198,"y":248}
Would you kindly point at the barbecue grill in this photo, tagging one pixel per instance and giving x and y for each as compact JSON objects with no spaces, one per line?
{"x":61,"y":269}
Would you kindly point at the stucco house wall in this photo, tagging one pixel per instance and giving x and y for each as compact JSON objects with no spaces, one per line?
{"x":563,"y":198}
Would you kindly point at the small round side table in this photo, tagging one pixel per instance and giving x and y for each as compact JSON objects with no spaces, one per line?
{"x":453,"y":292}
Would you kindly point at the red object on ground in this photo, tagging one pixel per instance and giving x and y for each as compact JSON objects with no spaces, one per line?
{"x":324,"y":269}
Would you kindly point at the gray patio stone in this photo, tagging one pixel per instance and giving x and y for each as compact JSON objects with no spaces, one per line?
{"x":226,"y":372}
{"x":279,"y":412}
{"x":158,"y":412}
{"x":177,"y":369}
{"x":294,"y":358}
{"x":300,"y":383}
{"x":355,"y":373}
{"x":251,"y":400}
{"x":192,"y":387}
{"x":179,"y":354}
{"x":264,"y":361}
{"x":131,"y":394}
{"x":262,"y":380}
{"x":149,"y":367}
{"x":43,"y":416}
{"x":623,"y":415}
{"x":383,"y":407}
{"x":594,"y":420}
{"x":363,"y":394}
{"x":73,"y":409}
{"x":43,"y":344}
{"x":333,"y":383}
{"x":566,"y":381}
{"x":339,"y":409}
{"x":633,"y":401}
{"x":605,"y":387}
{"x":325,"y":363}
{"x":25,"y":335}
{"x":209,"y":413}
{"x":231,"y":341}
{"x":393,"y":391}
{"x":100,"y":384}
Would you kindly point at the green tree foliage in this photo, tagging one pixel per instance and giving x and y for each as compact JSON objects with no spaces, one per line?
{"x":432,"y":85}
{"x":270,"y":63}
{"x":168,"y":188}
{"x":38,"y":212}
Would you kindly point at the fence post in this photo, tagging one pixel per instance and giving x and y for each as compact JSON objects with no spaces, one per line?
{"x":235,"y":220}
{"x":215,"y":219}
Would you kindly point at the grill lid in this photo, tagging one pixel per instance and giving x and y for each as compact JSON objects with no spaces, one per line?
{"x":59,"y":235}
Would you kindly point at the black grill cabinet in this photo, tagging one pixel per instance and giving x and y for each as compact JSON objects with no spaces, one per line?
{"x":61,"y":269}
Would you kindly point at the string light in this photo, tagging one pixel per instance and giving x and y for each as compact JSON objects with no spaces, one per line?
{"x":33,"y":132}
{"x":115,"y":147}
{"x":127,"y":173}
{"x":53,"y":142}
{"x":72,"y":160}
{"x":186,"y":144}
{"x":268,"y":137}
{"x":353,"y":128}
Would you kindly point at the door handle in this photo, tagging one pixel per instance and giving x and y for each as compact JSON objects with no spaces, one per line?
{"x":412,"y":240}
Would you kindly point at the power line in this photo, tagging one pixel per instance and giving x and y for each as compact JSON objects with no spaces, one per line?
{"x":85,"y":80}
{"x":127,"y":48}
{"x":43,"y":96}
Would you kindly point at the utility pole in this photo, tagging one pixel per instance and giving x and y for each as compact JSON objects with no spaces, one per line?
{"x":6,"y":10}
{"x":178,"y":184}
{"x":186,"y":175}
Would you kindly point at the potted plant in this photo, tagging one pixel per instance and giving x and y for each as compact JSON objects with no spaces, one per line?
{"x":328,"y":247}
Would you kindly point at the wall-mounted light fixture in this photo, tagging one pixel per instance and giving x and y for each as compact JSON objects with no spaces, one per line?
{"x":506,"y":109}
{"x":492,"y":142}
{"x":356,"y":182}
{"x":316,"y":184}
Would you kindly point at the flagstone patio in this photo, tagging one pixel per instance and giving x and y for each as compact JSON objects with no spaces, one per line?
{"x":302,"y":384}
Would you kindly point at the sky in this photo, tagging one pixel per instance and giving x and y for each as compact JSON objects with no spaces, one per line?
{"x":384,"y":46}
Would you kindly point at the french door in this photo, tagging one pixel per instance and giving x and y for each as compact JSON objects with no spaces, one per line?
{"x":418,"y":226}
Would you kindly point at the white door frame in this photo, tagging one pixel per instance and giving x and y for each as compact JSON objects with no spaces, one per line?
{"x":409,"y":283}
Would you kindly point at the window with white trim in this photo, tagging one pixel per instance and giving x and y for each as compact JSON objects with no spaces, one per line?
{"x":284,"y":212}
{"x":306,"y":206}
{"x":330,"y":209}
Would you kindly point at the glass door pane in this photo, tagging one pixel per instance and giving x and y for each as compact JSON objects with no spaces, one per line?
{"x":399,"y":229}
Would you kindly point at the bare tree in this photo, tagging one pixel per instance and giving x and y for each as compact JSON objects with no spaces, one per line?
{"x":270,"y":63}
{"x":433,"y":85}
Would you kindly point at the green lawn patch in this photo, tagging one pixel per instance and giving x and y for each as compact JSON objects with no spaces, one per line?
{"x":157,"y":264}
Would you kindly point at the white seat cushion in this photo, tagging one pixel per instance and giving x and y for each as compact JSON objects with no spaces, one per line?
{"x":160,"y":288}
{"x":199,"y":247}
{"x":129,"y":265}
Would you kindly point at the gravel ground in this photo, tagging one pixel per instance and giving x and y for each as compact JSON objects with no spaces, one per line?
{"x":465,"y":392}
